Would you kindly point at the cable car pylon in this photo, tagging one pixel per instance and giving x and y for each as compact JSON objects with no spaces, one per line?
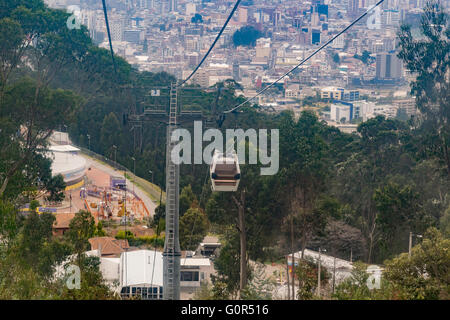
{"x":172,"y":252}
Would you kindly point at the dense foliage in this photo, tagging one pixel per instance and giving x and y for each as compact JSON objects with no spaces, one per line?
{"x":246,"y":36}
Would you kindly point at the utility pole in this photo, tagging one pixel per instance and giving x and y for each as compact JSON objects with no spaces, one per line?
{"x":351,"y":255}
{"x":67,"y":141}
{"x":334,"y":272}
{"x":287,"y":278}
{"x":115,"y":156}
{"x":134,"y":171}
{"x":318,"y":277}
{"x":410,"y":244}
{"x":242,"y":240}
{"x":292,"y":255}
{"x":126,"y":235}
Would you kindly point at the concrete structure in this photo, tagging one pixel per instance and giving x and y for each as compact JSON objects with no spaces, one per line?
{"x":67,"y":162}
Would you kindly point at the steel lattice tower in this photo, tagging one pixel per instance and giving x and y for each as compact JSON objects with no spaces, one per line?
{"x":172,"y":253}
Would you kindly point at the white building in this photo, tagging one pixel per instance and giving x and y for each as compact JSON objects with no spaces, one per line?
{"x":65,"y":159}
{"x":191,"y":9}
{"x":340,"y":112}
{"x":140,"y":273}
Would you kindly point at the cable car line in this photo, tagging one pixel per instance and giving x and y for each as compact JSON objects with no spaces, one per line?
{"x":305,"y":60}
{"x":109,"y":36}
{"x":213,"y":44}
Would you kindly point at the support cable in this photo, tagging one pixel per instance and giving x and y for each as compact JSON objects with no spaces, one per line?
{"x":109,"y":36}
{"x":213,"y":44}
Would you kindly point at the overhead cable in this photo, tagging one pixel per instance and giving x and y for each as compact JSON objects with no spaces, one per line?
{"x":213,"y":44}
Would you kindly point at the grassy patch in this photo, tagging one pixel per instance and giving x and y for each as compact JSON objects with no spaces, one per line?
{"x":152,"y":190}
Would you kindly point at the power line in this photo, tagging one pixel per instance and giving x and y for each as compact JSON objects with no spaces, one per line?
{"x":214,"y":43}
{"x":305,"y":60}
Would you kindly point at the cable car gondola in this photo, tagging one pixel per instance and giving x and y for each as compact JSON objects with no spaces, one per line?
{"x":225,"y":172}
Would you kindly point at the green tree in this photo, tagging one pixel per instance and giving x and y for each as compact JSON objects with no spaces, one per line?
{"x":8,"y":221}
{"x":193,"y":228}
{"x":376,"y":156}
{"x":355,"y":287}
{"x":227,"y":265}
{"x":93,"y":286}
{"x":81,"y":229}
{"x":35,"y":42}
{"x":35,"y":112}
{"x":56,"y":187}
{"x":36,"y":248}
{"x":445,"y":223}
{"x":197,"y":18}
{"x":187,"y":197}
{"x":307,"y":272}
{"x":426,"y":274}
{"x":110,"y":134}
{"x":37,"y":230}
{"x":260,"y":287}
{"x":336,"y":58}
{"x":365,"y":57}
{"x":246,"y":36}
{"x":399,"y":210}
{"x":160,"y":213}
{"x":99,"y":231}
{"x":306,"y":169}
{"x":427,"y":57}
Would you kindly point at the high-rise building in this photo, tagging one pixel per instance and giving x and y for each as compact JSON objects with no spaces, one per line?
{"x":173,"y":5}
{"x":117,"y":27}
{"x":132,"y":35}
{"x":389,"y":67}
{"x":242,"y":16}
{"x":191,"y":9}
{"x":236,"y":71}
{"x":353,"y":6}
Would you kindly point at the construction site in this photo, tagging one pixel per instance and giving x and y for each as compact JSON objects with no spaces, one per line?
{"x":112,"y":202}
{"x":96,"y":186}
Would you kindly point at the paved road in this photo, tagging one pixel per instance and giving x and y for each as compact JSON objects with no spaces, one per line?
{"x":151,"y":206}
